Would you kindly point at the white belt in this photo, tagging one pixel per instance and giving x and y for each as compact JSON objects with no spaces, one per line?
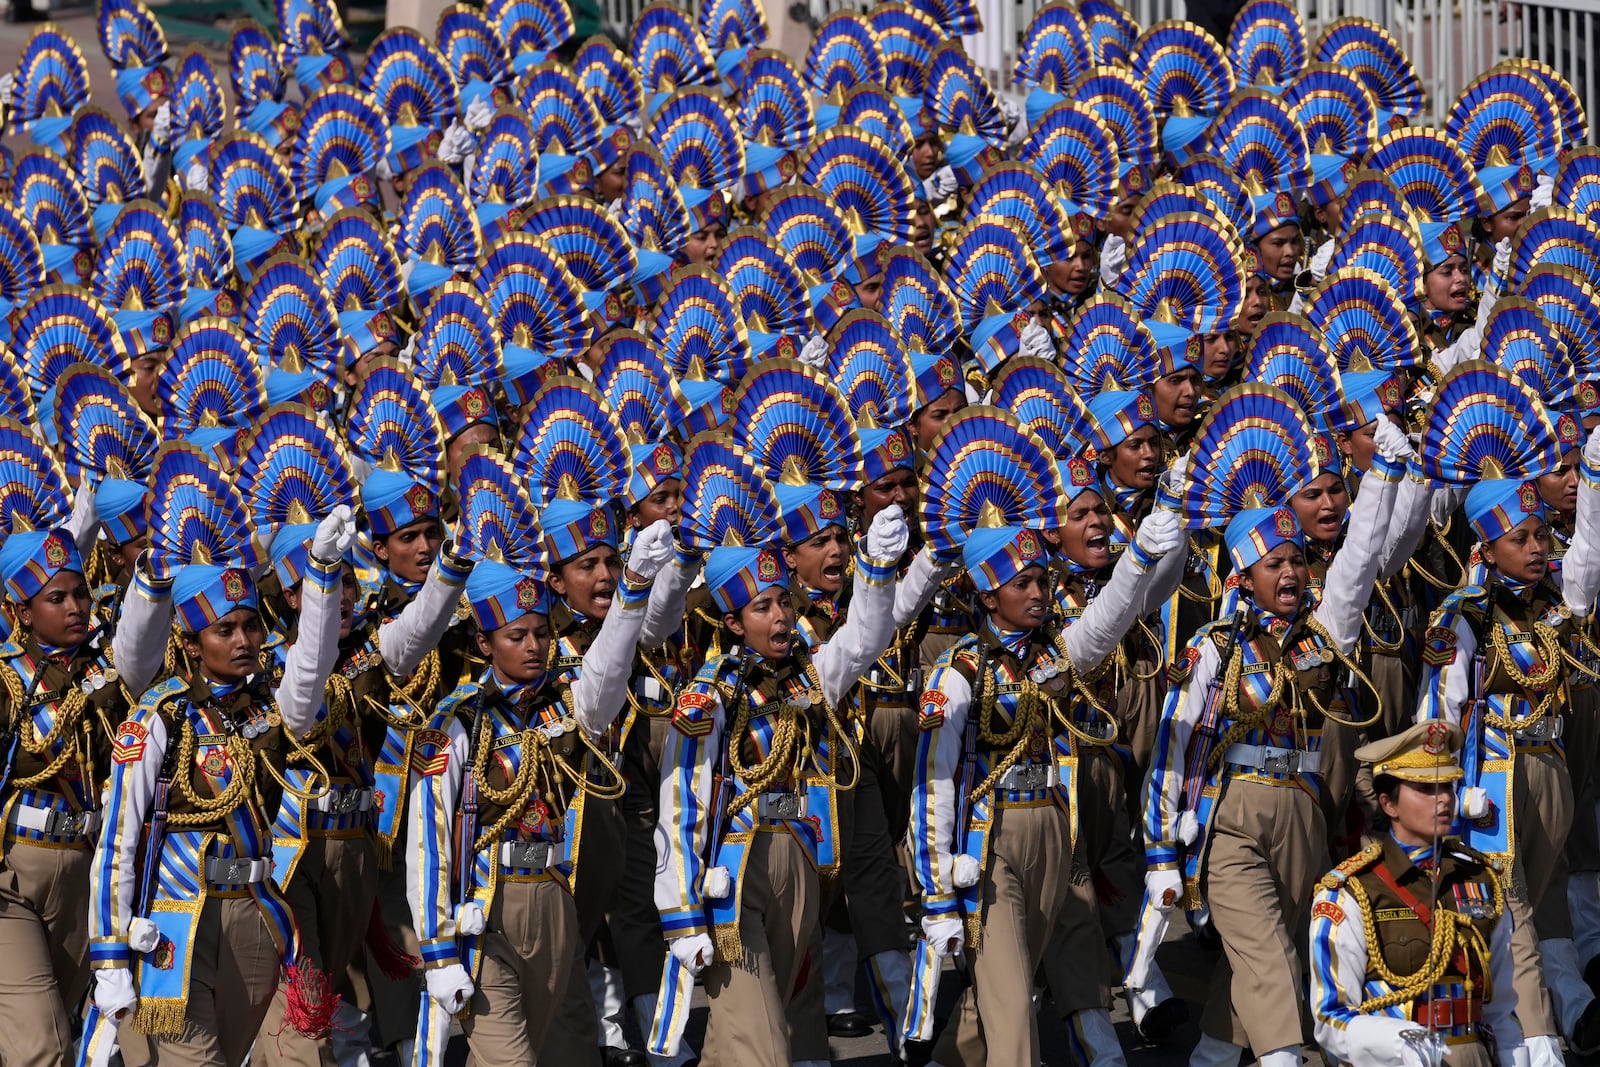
{"x":651,"y":690}
{"x":1546,"y":729}
{"x":53,"y":822}
{"x":239,"y":870}
{"x":1028,"y":778}
{"x":343,"y":800}
{"x":1265,"y":759}
{"x":526,"y":855}
{"x":781,"y":807}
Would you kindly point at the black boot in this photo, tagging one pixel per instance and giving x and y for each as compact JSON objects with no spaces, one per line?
{"x":848,"y":1024}
{"x":1160,"y":1024}
{"x":1585,"y":1037}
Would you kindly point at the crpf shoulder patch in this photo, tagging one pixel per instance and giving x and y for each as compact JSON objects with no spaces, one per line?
{"x":931,"y":716}
{"x":430,"y":752}
{"x":128,"y":746}
{"x":1327,"y":909}
{"x":1178,"y":670}
{"x":692,"y":714}
{"x":1439,"y":646}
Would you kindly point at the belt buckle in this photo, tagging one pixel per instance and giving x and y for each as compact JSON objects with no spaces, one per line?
{"x":1281,"y":762}
{"x":534,"y":855}
{"x":236,"y":872}
{"x":783,"y":806}
{"x":68,"y":823}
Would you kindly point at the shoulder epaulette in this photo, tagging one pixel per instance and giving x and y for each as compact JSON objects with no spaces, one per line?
{"x":1461,"y":850}
{"x":163,"y":692}
{"x":1352,"y":866}
{"x":450,"y":706}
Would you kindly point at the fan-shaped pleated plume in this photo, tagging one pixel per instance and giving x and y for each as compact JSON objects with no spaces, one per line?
{"x":1288,"y":353}
{"x":531,"y":28}
{"x":810,"y":229}
{"x":843,"y":54}
{"x":1214,"y":180}
{"x":33,"y":491}
{"x":1055,"y":50}
{"x":61,"y":325}
{"x":870,"y":365}
{"x":1556,"y":235}
{"x":196,"y":514}
{"x":1267,"y":45}
{"x":725,"y":499}
{"x":563,"y":120}
{"x":1017,"y":192}
{"x":342,"y":134}
{"x":698,"y":140}
{"x":254,"y":70}
{"x":918,"y":303}
{"x":1165,"y":197}
{"x":1577,"y":182}
{"x":864,"y":179}
{"x":309,"y":29}
{"x":957,"y":18}
{"x":1185,"y":68}
{"x":635,"y":384}
{"x":293,"y":470}
{"x":1112,"y":31}
{"x":731,"y":24}
{"x":1484,"y":423}
{"x":101,"y":429}
{"x":610,"y":79}
{"x":436,"y":223}
{"x":1518,"y":337}
{"x":249,"y":183}
{"x":357,"y":262}
{"x":211,"y":379}
{"x":1431,"y":173}
{"x":1574,"y":119}
{"x":985,"y":463}
{"x":1037,"y":392}
{"x":1572,"y":306}
{"x":538,"y":304}
{"x":959,"y":97}
{"x":770,"y":292}
{"x":1123,"y":104}
{"x":774,"y":103}
{"x":793,"y":423}
{"x":991,"y":267}
{"x":871,"y":108}
{"x":1363,"y":321}
{"x":1077,"y":152}
{"x":1334,"y":109}
{"x":1502,"y":119}
{"x":1253,"y":450}
{"x":16,"y":401}
{"x":140,"y":265}
{"x":1257,"y":136}
{"x":907,"y":38}
{"x":498,"y":521}
{"x":199,"y":109}
{"x":1371,"y":193}
{"x":291,"y":319}
{"x":571,"y":447}
{"x":104,"y":158}
{"x":506,"y":171}
{"x":52,"y":83}
{"x":409,"y":80}
{"x":130,"y":36}
{"x":392,"y":425}
{"x":459,"y":343}
{"x":21,"y":262}
{"x":1184,"y":270}
{"x":697,"y":328}
{"x":1388,"y":246}
{"x":1367,"y":48}
{"x":472,"y":47}
{"x":668,"y":50}
{"x":588,"y":239}
{"x":653,"y":212}
{"x":1108,"y":348}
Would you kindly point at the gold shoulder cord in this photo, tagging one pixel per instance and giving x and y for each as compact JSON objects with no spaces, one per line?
{"x":63,"y":730}
{"x":1314,"y":625}
{"x":1452,"y":931}
{"x":792,"y":744}
{"x":1080,"y":686}
{"x":1549,"y":647}
{"x":1015,"y":739}
{"x":1378,"y":643}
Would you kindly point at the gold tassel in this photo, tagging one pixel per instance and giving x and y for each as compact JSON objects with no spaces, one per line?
{"x":729,"y":945}
{"x":163,"y":1016}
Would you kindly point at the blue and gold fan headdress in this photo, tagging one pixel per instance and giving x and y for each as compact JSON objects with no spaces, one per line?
{"x":211,"y":389}
{"x":1555,"y":235}
{"x":918,"y":303}
{"x":1267,"y":44}
{"x":254,"y":194}
{"x":539,"y":309}
{"x":357,"y":262}
{"x":392,"y":426}
{"x":576,"y":461}
{"x":108,"y":442}
{"x":668,"y":50}
{"x":964,"y":107}
{"x":1431,"y":172}
{"x":702,"y":148}
{"x":589,"y":240}
{"x":136,"y":48}
{"x":107,"y":163}
{"x":1038,"y":393}
{"x":436,"y":231}
{"x":871,"y":367}
{"x":1218,"y":185}
{"x":506,"y":173}
{"x":1184,"y":279}
{"x":1574,"y":119}
{"x":1371,"y":193}
{"x":1076,"y":151}
{"x":1577,"y":182}
{"x":1387,"y":245}
{"x":635,"y":383}
{"x":477,"y":57}
{"x":864,"y":179}
{"x":412,"y":85}
{"x":1123,"y":104}
{"x":698,"y":330}
{"x":810,"y":229}
{"x":258,"y":80}
{"x":343,"y":136}
{"x":200,"y":538}
{"x":52,"y":83}
{"x":1257,"y":136}
{"x":731,"y":514}
{"x":653,"y":211}
{"x":1367,"y":48}
{"x":293,"y":472}
{"x":871,"y":108}
{"x":293,"y":326}
{"x":1109,"y":349}
{"x":60,"y":325}
{"x":566,"y":127}
{"x":1570,"y":303}
{"x":770,"y":291}
{"x":139,"y":273}
{"x":907,"y":38}
{"x":1288,"y":353}
{"x":1517,"y":337}
{"x":995,"y":279}
{"x":457,"y":357}
{"x":1056,"y":50}
{"x":1363,"y":321}
{"x":49,"y":196}
{"x":314,"y":40}
{"x":500,"y":531}
{"x":1188,"y":75}
{"x":531,"y":29}
{"x":1112,"y":31}
{"x":611,"y":80}
{"x":199,"y":110}
{"x":1018,"y":192}
{"x":22,"y":267}
{"x":843,"y":54}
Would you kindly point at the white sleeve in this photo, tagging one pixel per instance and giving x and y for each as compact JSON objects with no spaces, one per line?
{"x":144,"y":625}
{"x":130,"y":795}
{"x":922,"y":579}
{"x":420,"y":626}
{"x":1103,"y":623}
{"x":1338,"y":981}
{"x":1164,"y":786}
{"x":315,"y":653}
{"x":933,"y":831}
{"x":1580,"y":568}
{"x":430,"y":844}
{"x":1354,"y":570}
{"x":868,"y":628}
{"x":1166,"y":576}
{"x":602,"y":685}
{"x":1408,"y":521}
{"x":84,"y":522}
{"x":664,"y":613}
{"x":684,"y":804}
{"x":1447,"y":687}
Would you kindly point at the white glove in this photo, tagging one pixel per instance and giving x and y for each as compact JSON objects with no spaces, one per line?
{"x":614,"y":209}
{"x":161,"y":130}
{"x":1011,"y":111}
{"x":1113,"y":260}
{"x":384,"y":171}
{"x":1591,"y":449}
{"x":1544,"y":191}
{"x":1157,"y":886}
{"x":716,"y":884}
{"x":1036,"y":342}
{"x":8,"y":83}
{"x":1502,"y":257}
{"x":945,"y":934}
{"x":197,"y":177}
{"x":406,"y":268}
{"x":1392,"y":442}
{"x":470,"y":920}
{"x":1177,"y":475}
{"x":965,"y":872}
{"x":479,"y":114}
{"x":450,"y":987}
{"x":113,"y":991}
{"x":940,"y":185}
{"x":1418,"y":1052}
{"x":456,"y":144}
{"x":1321,"y":258}
{"x":888,"y":535}
{"x":334,"y":535}
{"x":815,"y":351}
{"x":1160,"y":532}
{"x":1474,"y":802}
{"x":143,"y":935}
{"x":694,"y":951}
{"x":651,"y":550}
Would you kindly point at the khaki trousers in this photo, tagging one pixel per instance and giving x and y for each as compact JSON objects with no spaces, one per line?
{"x":232,"y":978}
{"x":1024,"y":892}
{"x":574,"y":1035}
{"x":749,"y":1024}
{"x":331,"y":894}
{"x":1541,"y":803}
{"x":44,"y":941}
{"x":527,"y":962}
{"x":1269,"y":845}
